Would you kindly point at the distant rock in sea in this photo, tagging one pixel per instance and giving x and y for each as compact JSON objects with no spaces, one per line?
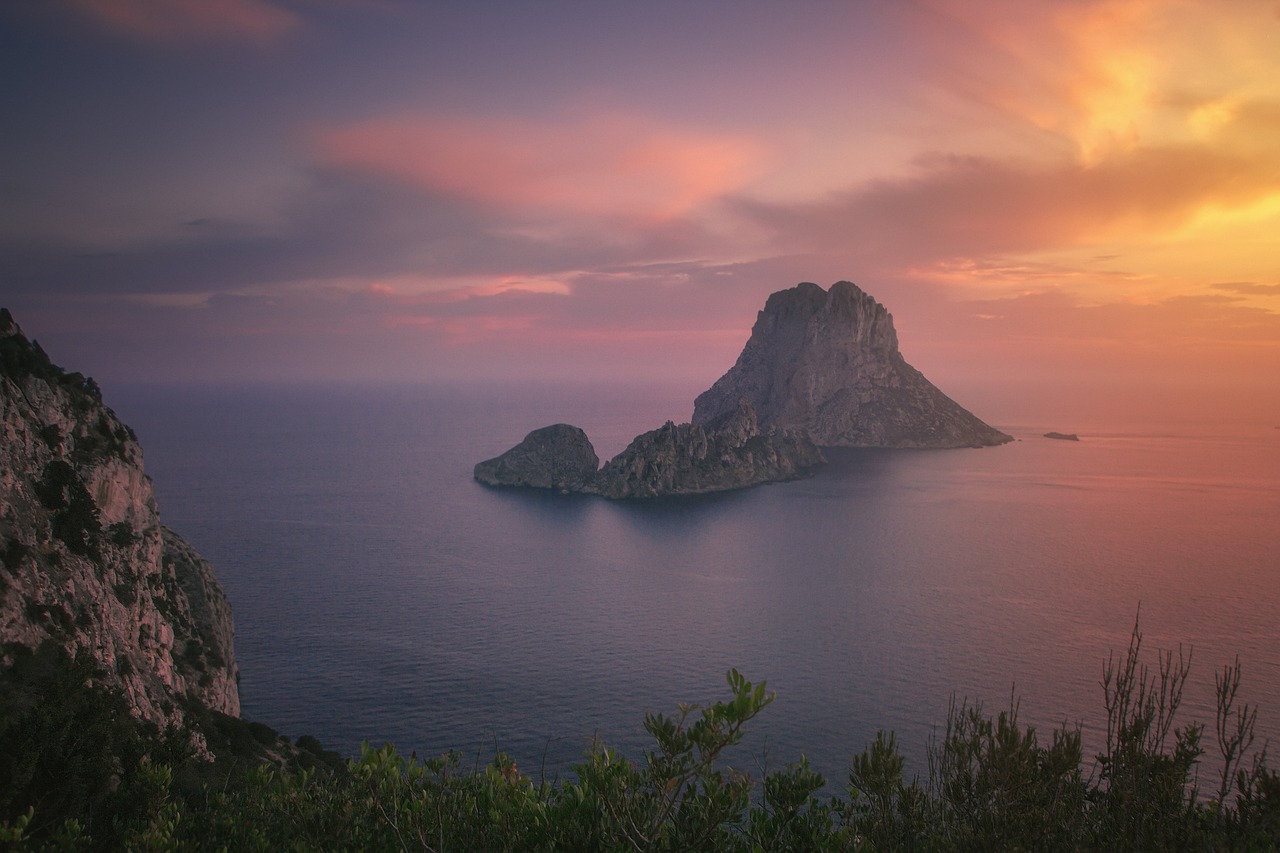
{"x":1062,"y":436}
{"x":827,"y":362}
{"x":558,"y":457}
{"x":820,"y":368}
{"x":729,"y":453}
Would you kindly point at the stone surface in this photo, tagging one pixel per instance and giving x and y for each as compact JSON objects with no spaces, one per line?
{"x":558,"y":457}
{"x":729,"y":453}
{"x":828,"y":362}
{"x":86,"y":562}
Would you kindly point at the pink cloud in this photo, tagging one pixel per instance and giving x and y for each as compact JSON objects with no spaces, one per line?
{"x":183,"y":21}
{"x":604,"y":165}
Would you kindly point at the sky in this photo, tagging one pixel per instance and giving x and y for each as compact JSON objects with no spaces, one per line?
{"x":1071,"y":207}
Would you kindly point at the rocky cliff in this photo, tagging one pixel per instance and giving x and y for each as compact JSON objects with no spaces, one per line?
{"x":731,"y":452}
{"x":86,"y":562}
{"x":827,"y":362}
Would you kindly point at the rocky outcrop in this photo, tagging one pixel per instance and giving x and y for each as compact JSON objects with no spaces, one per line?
{"x":1062,"y":436}
{"x":558,"y":457}
{"x":828,"y":362}
{"x":729,"y":453}
{"x":86,"y":562}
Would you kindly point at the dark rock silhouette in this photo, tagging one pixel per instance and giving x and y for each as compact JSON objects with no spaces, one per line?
{"x":828,"y":362}
{"x":1062,"y":436}
{"x":729,"y":453}
{"x":558,"y":457}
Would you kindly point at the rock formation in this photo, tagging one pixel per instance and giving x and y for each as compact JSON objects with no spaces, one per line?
{"x":558,"y":457}
{"x":1062,"y":436}
{"x":728,"y":453}
{"x":827,"y":362}
{"x":86,"y":562}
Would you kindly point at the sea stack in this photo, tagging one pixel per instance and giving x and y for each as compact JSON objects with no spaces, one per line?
{"x":729,"y":453}
{"x":827,"y":362}
{"x":557,"y":457}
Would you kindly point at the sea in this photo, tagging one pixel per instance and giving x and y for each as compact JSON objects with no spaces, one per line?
{"x":382,"y":595}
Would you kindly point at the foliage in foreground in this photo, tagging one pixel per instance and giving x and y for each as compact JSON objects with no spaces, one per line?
{"x":81,"y":776}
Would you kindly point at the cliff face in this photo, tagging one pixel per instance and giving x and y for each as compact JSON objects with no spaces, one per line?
{"x":828,"y":362}
{"x":729,"y":453}
{"x":86,"y":562}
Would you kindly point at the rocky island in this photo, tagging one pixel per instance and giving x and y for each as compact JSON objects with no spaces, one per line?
{"x":1062,"y":436}
{"x":827,"y":361}
{"x":731,"y":452}
{"x":821,"y":368}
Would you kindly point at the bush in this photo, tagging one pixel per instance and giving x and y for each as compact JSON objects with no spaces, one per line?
{"x":71,"y":756}
{"x":75,"y":515}
{"x":121,"y":534}
{"x":991,"y":783}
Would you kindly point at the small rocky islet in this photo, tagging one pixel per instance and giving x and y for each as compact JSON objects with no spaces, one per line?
{"x":821,"y":368}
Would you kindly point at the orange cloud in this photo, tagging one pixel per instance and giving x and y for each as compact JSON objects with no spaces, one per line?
{"x":1154,"y":163}
{"x":1107,"y":76}
{"x":182,"y":21}
{"x":612,"y":165}
{"x":421,"y":290}
{"x":1146,"y":222}
{"x":959,"y":203}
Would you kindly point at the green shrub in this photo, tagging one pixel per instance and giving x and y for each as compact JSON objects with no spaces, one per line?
{"x":76,"y":516}
{"x":991,"y":783}
{"x":121,"y":534}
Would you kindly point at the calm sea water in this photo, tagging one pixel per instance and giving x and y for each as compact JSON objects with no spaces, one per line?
{"x":382,"y":595}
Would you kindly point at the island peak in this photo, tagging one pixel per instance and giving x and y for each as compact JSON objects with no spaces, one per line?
{"x":827,"y":362}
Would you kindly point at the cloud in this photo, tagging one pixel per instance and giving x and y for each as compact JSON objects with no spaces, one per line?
{"x":1104,"y":76}
{"x":187,"y":21}
{"x":1144,"y":130}
{"x":343,"y":231}
{"x":1248,"y":288}
{"x":972,"y":207}
{"x":1052,"y":350}
{"x":612,"y":165}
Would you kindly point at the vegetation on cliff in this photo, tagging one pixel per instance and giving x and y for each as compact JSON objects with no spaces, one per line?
{"x":82,"y":773}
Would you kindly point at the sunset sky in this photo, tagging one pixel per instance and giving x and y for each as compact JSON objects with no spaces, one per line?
{"x":1072,"y":209}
